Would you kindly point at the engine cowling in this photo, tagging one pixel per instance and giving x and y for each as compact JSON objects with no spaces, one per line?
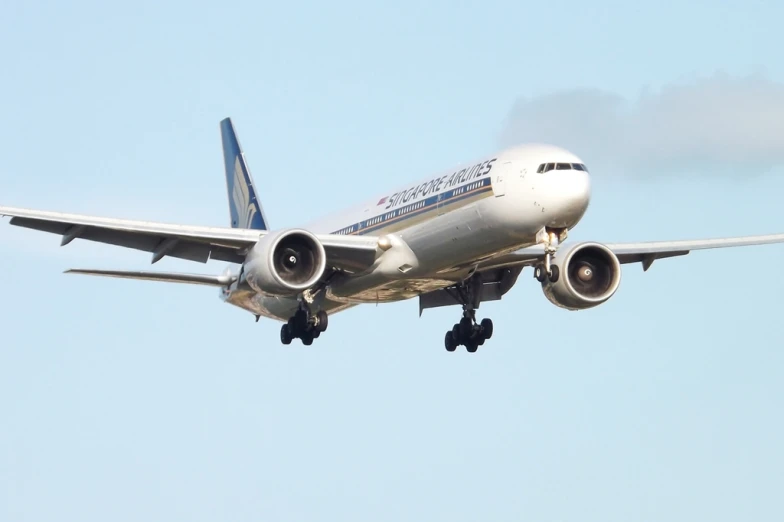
{"x":590,"y":273}
{"x":285,"y":262}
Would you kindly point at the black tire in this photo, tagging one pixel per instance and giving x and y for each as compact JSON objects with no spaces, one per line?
{"x":449,"y":342}
{"x":293,"y":327}
{"x":285,"y":334}
{"x":539,"y":274}
{"x":323,"y":320}
{"x":316,"y":333}
{"x":471,"y":346}
{"x":307,"y":339}
{"x":555,"y":273}
{"x":487,"y":328}
{"x":466,"y":326}
{"x":456,"y":333}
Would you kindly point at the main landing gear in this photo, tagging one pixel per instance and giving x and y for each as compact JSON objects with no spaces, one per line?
{"x":467,"y":332}
{"x":304,"y":325}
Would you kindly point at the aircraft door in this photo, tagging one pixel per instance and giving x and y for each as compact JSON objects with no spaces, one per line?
{"x":499,"y":184}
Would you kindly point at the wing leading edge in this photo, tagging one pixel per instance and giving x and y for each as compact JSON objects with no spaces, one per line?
{"x":166,"y":277}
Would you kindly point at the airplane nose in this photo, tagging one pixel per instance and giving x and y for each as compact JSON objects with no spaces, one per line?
{"x":572,"y":196}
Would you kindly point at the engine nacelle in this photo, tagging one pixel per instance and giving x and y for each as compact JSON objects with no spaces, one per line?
{"x":285,"y":263}
{"x":590,"y":273}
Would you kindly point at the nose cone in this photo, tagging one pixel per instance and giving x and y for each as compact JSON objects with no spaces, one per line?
{"x":569,"y":198}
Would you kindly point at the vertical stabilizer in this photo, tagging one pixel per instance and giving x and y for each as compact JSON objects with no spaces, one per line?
{"x":244,"y":207}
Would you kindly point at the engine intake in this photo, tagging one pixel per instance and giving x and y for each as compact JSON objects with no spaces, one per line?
{"x":590,"y":275}
{"x":286,"y":262}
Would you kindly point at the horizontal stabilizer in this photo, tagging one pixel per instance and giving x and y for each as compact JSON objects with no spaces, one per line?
{"x":166,"y":277}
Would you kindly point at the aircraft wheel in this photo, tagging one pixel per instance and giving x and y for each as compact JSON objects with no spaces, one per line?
{"x":487,"y":328}
{"x":449,"y":342}
{"x":307,"y":339}
{"x":539,"y":274}
{"x":285,"y":334}
{"x":471,"y":346}
{"x":322,"y":320}
{"x":465,"y":327}
{"x":555,"y":273}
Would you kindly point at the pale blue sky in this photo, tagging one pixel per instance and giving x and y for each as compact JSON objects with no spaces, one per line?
{"x":138,"y":401}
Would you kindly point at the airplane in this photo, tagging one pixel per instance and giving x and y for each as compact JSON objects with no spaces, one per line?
{"x":458,"y":238}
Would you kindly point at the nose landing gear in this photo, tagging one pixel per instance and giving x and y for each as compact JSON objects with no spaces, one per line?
{"x":541,"y":274}
{"x":547,"y":270}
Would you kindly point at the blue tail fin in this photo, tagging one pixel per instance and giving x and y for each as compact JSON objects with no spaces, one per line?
{"x":245,"y":209}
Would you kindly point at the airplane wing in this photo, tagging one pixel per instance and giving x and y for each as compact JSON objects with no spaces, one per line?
{"x":194,"y":243}
{"x":500,"y":273}
{"x":645,"y":252}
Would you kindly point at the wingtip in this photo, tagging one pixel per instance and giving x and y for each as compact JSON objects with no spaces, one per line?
{"x":75,"y":271}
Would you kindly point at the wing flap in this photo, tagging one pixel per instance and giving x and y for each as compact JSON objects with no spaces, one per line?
{"x":44,"y":226}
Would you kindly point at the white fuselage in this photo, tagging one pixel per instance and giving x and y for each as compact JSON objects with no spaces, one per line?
{"x":449,"y":223}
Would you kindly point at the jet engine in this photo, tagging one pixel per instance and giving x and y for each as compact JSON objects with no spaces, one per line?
{"x":285,"y":263}
{"x":590,"y":273}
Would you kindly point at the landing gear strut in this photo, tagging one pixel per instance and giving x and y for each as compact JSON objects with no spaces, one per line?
{"x":547,"y":270}
{"x":304,"y":325}
{"x":467,"y":332}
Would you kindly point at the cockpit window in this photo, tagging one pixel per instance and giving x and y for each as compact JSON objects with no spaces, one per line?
{"x":547,"y":167}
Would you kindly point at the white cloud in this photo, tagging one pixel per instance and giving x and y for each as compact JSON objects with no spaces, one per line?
{"x":721,"y":123}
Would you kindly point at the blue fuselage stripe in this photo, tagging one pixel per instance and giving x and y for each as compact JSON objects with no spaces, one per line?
{"x":417,"y":208}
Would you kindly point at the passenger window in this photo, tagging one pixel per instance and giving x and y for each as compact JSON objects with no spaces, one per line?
{"x":563,"y":166}
{"x":549,"y":167}
{"x":540,"y":169}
